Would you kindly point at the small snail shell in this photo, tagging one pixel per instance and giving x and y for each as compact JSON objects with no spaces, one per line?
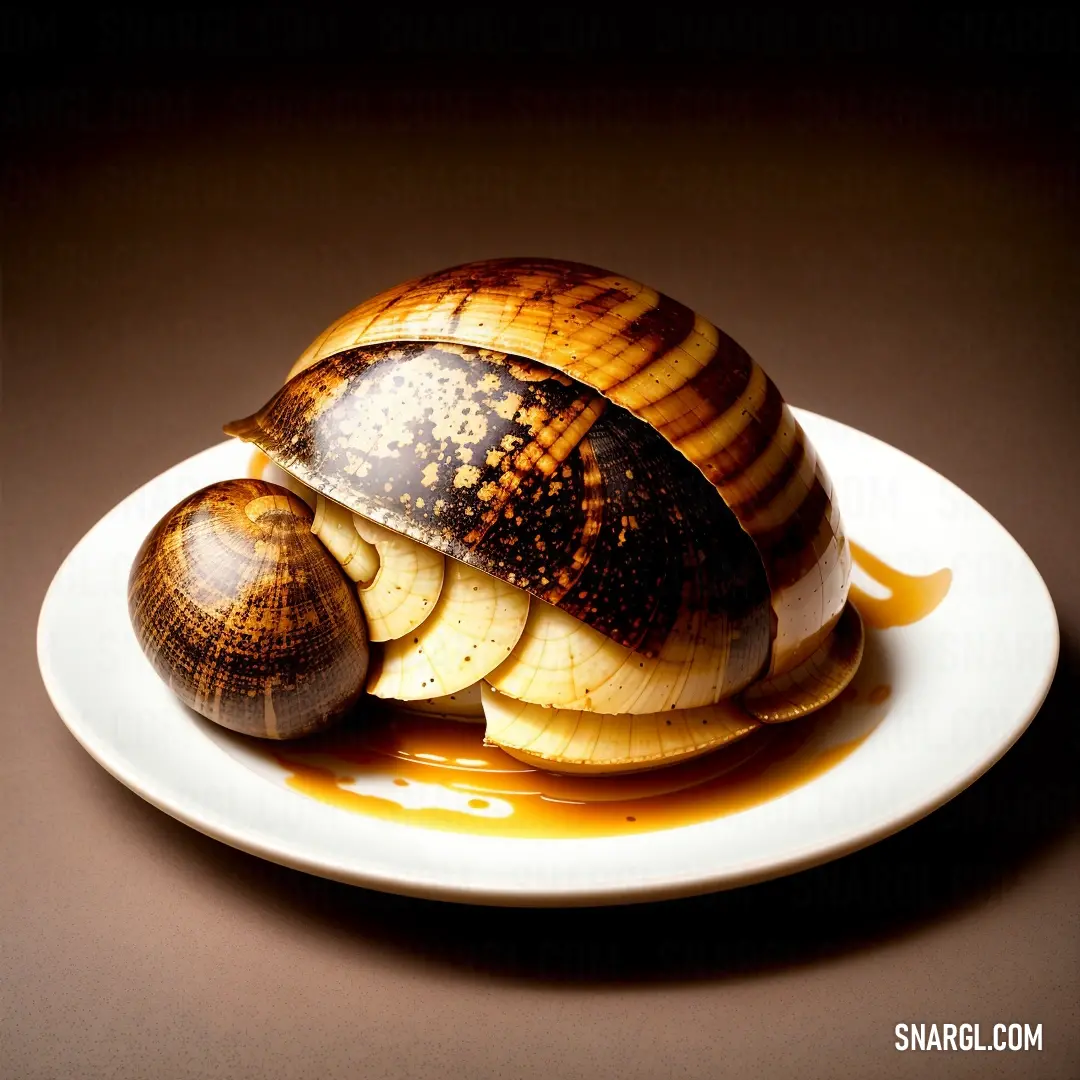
{"x":246,"y":615}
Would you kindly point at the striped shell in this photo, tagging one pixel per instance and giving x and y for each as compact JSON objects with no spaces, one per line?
{"x":601,"y":340}
{"x":245,"y":615}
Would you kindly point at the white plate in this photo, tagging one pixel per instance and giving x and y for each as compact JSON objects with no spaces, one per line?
{"x":966,"y":682}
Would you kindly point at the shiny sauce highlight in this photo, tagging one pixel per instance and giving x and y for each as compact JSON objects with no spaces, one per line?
{"x":439,"y":774}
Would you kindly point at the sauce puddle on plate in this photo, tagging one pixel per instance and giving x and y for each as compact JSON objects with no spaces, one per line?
{"x":438,"y":774}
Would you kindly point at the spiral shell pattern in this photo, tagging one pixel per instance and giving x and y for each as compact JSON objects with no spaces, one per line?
{"x":245,"y":615}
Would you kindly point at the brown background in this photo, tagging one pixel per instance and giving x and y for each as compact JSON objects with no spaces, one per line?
{"x":891,"y":232}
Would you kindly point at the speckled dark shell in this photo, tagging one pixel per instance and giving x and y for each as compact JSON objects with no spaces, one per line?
{"x":531,"y":477}
{"x":691,"y":384}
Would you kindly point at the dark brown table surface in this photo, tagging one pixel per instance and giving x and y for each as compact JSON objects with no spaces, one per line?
{"x":906,"y":263}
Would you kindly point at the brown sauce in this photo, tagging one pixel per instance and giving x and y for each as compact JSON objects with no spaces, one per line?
{"x":879,"y":694}
{"x":438,"y":774}
{"x":911,"y":597}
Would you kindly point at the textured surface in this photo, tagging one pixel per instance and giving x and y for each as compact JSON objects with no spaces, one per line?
{"x":534,"y":479}
{"x":910,"y":271}
{"x":654,"y":356}
{"x":592,"y":743}
{"x":828,"y":669}
{"x":245,"y":615}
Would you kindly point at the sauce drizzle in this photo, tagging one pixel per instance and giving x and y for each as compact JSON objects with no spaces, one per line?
{"x":911,"y":597}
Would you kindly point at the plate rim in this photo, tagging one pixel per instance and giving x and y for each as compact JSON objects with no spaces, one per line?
{"x":806,"y":857}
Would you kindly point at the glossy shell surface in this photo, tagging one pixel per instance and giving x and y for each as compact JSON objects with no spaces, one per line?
{"x":245,"y":615}
{"x":522,"y":472}
{"x":672,"y":368}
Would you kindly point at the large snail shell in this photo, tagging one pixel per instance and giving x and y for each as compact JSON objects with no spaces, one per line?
{"x":245,"y":614}
{"x":528,"y":476}
{"x":625,"y":349}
